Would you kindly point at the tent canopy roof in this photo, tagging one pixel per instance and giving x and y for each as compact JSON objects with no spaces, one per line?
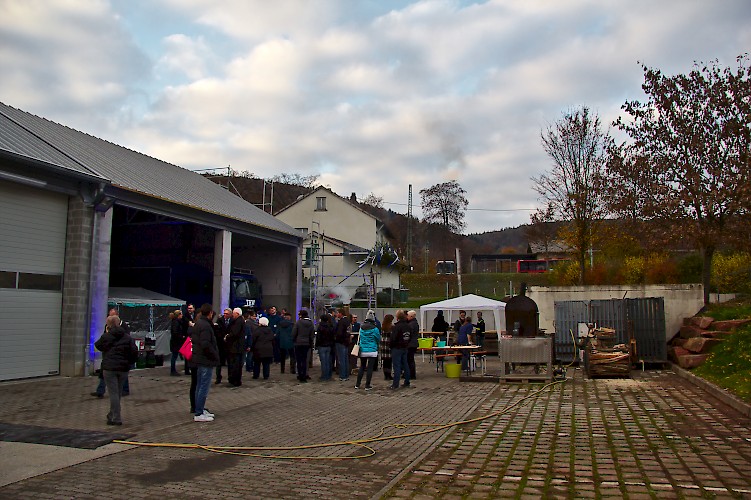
{"x":141,"y":297}
{"x":470,"y":303}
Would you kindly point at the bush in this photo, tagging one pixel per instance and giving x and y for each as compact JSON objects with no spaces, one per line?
{"x":634,"y":270}
{"x":565,"y":273}
{"x":732,"y":273}
{"x":598,"y":275}
{"x":689,"y":268}
{"x":660,"y":269}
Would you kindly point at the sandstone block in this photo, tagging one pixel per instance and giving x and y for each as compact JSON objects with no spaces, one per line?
{"x":689,"y":361}
{"x":690,"y":331}
{"x":702,"y":322}
{"x":729,"y":325}
{"x":700,"y":345}
{"x":675,"y":352}
{"x":715,"y":334}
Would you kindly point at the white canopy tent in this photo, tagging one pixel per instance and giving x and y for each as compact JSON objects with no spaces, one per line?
{"x":470,"y":303}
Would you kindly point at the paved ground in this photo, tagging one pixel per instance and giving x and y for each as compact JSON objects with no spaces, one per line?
{"x":652,"y":436}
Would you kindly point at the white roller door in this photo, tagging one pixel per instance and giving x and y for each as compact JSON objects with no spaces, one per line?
{"x":32,"y":255}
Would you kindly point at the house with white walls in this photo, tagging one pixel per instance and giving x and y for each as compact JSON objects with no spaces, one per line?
{"x":345,"y":248}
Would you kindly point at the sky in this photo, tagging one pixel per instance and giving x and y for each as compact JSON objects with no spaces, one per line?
{"x":371,"y":95}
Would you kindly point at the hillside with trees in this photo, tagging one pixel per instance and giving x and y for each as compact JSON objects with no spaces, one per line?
{"x":431,"y":241}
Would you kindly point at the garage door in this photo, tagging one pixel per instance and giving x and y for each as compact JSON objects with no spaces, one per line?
{"x":32,"y":254}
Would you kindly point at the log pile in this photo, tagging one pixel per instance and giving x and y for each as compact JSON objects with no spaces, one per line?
{"x":698,"y":335}
{"x":602,"y":358}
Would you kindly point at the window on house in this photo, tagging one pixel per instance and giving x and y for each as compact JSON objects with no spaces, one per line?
{"x":320,"y":203}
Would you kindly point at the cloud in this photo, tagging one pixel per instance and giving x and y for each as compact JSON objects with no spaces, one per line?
{"x":185,"y":56}
{"x":373,"y":96}
{"x":68,"y":60}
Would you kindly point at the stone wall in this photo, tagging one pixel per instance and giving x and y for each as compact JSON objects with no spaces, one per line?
{"x":680,"y":300}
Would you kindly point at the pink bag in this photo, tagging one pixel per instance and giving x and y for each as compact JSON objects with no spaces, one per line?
{"x":187,"y":349}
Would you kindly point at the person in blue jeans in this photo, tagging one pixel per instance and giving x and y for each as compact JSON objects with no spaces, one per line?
{"x":205,"y":359}
{"x":343,"y":339}
{"x":465,"y":338}
{"x":400,"y":336}
{"x":325,"y":343}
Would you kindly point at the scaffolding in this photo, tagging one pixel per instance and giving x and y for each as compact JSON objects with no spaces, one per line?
{"x":314,"y":255}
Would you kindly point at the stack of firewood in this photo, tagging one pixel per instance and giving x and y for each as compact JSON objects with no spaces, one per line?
{"x":605,"y":359}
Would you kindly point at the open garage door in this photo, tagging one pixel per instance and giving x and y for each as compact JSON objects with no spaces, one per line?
{"x":32,"y":255}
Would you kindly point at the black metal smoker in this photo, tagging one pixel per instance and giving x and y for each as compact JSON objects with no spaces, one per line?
{"x":522,"y":315}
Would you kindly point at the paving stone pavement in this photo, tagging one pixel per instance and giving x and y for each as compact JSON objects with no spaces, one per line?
{"x":653,"y":436}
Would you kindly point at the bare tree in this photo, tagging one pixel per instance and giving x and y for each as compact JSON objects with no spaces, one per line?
{"x":306,"y":181}
{"x":542,"y":230}
{"x":373,"y":200}
{"x":688,"y":155}
{"x":445,"y":204}
{"x":572,"y":191}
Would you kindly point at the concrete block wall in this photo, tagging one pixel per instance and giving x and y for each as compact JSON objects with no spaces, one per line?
{"x":680,"y":300}
{"x":76,"y":283}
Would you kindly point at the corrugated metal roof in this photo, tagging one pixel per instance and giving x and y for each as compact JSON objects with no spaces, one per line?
{"x":34,"y":137}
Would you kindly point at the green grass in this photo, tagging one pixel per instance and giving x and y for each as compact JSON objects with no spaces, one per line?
{"x":493,"y":285}
{"x":729,"y":363}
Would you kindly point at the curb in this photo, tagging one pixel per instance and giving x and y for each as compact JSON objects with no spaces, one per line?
{"x":714,"y":390}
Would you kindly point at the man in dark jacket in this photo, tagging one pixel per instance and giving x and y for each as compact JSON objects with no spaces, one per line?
{"x":221,"y":330}
{"x":414,"y":329}
{"x":303,"y":334}
{"x":119,"y":353}
{"x":234,"y":344}
{"x":400,"y":335}
{"x":286,"y":343}
{"x":205,"y":359}
{"x":459,"y":322}
{"x":342,"y":339}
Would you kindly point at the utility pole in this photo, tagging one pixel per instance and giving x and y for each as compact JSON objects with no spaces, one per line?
{"x":409,"y":229}
{"x":459,"y":270}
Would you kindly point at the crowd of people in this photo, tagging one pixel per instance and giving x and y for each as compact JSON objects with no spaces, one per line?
{"x":238,"y":339}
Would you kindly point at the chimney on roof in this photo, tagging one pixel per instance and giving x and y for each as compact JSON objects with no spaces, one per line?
{"x":353,"y":198}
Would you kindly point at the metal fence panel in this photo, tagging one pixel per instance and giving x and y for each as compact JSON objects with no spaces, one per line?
{"x":644,"y":318}
{"x":647,"y":317}
{"x":568,"y":315}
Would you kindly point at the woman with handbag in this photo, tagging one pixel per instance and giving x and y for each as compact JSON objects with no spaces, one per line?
{"x":176,"y":340}
{"x":367,"y":349}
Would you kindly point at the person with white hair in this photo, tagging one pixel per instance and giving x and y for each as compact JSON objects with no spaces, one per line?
{"x":263,"y":348}
{"x":234,"y":344}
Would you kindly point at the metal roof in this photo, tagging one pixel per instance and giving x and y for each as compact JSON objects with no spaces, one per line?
{"x":35,"y":138}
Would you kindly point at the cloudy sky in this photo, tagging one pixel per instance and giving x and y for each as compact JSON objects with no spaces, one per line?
{"x":372,"y":95}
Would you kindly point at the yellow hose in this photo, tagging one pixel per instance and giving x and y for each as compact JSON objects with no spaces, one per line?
{"x":247,"y":451}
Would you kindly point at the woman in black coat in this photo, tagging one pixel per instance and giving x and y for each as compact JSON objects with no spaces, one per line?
{"x":119,"y":352}
{"x":263,"y":348}
{"x":176,"y":340}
